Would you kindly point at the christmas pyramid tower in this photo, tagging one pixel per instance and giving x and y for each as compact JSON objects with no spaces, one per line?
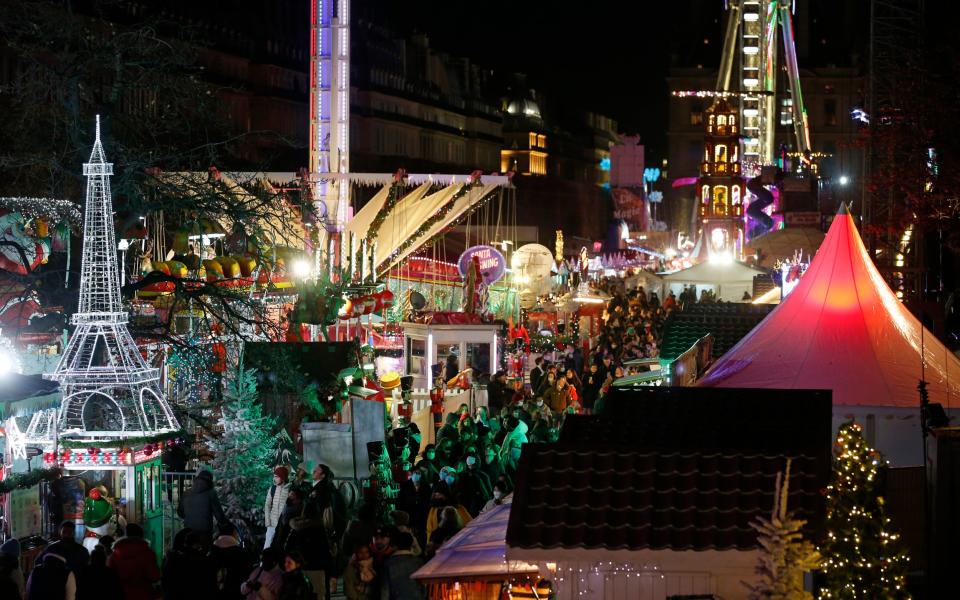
{"x":109,"y":391}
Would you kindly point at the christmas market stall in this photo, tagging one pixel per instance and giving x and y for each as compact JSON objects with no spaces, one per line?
{"x":471,"y":565}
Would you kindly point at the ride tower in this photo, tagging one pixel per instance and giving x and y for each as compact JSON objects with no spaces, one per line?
{"x":109,"y":391}
{"x":720,"y":187}
{"x":329,"y":122}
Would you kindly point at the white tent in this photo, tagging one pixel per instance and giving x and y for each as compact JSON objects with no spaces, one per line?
{"x":728,"y":280}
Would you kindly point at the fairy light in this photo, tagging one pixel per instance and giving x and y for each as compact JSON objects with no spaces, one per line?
{"x":863,"y":557}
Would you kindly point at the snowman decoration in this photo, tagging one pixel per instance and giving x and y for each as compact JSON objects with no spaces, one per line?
{"x":99,"y":518}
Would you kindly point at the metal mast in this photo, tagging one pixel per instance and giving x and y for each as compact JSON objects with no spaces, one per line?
{"x":330,"y":110}
{"x":109,"y":391}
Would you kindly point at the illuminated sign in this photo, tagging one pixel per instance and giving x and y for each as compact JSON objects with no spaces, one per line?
{"x":492,"y":264}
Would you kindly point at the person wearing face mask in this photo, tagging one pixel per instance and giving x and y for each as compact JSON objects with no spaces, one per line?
{"x":591,"y":387}
{"x":491,"y":464}
{"x":499,"y":493}
{"x":512,"y":443}
{"x":414,"y":499}
{"x":475,"y":487}
{"x":558,"y":397}
{"x":428,"y":465}
{"x":548,"y":382}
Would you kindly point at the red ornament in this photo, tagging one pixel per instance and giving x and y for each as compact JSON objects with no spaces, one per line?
{"x":148,"y":449}
{"x":386,"y":298}
{"x":95,"y":494}
{"x":369,"y":304}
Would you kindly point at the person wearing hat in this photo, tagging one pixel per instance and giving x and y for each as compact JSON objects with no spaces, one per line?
{"x":275,"y":502}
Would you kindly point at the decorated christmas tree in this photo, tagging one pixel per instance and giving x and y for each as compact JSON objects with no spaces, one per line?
{"x":785,"y":556}
{"x":863,"y":556}
{"x":245,"y":451}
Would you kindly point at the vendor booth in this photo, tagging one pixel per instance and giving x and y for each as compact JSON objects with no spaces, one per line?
{"x":466,"y":346}
{"x":471,"y":565}
{"x":727,"y":280}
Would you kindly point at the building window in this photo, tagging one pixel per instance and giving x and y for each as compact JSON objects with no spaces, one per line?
{"x":786,"y":111}
{"x":542,"y":141}
{"x":705,"y":194}
{"x":735,"y":195}
{"x":533,"y":139}
{"x":720,"y":200}
{"x":710,"y":123}
{"x":720,"y":154}
{"x":830,"y":112}
{"x":707,"y":151}
{"x":696,"y":117}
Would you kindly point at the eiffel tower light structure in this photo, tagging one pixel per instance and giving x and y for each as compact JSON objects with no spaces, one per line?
{"x":109,"y":391}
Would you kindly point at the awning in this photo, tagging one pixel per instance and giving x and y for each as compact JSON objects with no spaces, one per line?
{"x":460,"y":207}
{"x":24,"y":395}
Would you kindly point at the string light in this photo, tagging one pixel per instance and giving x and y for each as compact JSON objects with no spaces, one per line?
{"x":863,"y":556}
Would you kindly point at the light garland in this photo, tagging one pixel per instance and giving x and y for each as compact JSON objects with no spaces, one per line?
{"x":716,"y":94}
{"x":51,"y":209}
{"x":435,"y":218}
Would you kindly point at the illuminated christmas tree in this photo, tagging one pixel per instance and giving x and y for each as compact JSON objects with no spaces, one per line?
{"x":863,"y":556}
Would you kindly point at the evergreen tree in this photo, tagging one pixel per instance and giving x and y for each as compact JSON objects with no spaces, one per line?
{"x":863,"y":556}
{"x":244,"y":452}
{"x":785,"y":555}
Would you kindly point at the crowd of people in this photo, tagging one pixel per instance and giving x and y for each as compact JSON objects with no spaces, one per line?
{"x":312,"y":545}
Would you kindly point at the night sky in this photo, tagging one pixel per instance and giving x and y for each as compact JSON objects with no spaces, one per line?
{"x":610,"y":57}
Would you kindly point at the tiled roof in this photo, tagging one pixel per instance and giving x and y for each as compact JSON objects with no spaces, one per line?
{"x":679,"y":470}
{"x":728,"y":322}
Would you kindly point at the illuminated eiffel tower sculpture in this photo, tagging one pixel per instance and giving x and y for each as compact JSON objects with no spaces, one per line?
{"x":109,"y":391}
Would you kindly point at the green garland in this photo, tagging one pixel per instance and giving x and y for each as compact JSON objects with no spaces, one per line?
{"x":19,"y":481}
{"x":129,"y":441}
{"x":438,"y":216}
{"x":465,"y":215}
{"x":392,"y":199}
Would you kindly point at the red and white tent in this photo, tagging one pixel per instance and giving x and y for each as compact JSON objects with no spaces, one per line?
{"x":842,"y":329}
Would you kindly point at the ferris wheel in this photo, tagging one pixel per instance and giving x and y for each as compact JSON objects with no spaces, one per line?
{"x":751,"y":43}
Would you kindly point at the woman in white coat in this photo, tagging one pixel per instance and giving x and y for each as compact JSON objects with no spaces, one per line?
{"x":275,"y":502}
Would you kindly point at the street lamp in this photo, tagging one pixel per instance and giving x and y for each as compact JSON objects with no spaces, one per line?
{"x":122,"y":247}
{"x":844,"y":180}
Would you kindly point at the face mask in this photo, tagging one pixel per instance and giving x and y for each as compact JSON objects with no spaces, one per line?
{"x":415,"y":477}
{"x":471,"y":461}
{"x":431,"y":455}
{"x":539,"y":401}
{"x":449,"y":480}
{"x":497,"y":494}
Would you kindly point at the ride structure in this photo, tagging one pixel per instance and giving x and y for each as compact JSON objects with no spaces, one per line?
{"x":753,"y":55}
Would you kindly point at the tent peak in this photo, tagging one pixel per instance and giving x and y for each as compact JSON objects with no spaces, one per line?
{"x":843,"y":209}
